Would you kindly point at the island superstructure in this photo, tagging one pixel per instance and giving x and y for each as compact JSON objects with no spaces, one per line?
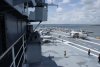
{"x":23,"y":46}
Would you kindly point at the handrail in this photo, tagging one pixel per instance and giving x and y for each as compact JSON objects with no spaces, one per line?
{"x":10,"y":47}
{"x":18,"y":51}
{"x":16,"y":57}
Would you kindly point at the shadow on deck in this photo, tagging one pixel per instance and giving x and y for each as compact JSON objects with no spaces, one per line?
{"x":46,"y":62}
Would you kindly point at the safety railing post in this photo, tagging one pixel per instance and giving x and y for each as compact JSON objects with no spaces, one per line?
{"x":23,"y":48}
{"x":13,"y":57}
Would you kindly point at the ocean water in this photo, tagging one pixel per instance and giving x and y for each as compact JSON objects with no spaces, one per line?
{"x":86,"y":27}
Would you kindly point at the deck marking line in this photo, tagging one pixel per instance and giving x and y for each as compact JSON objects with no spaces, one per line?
{"x":82,"y":40}
{"x":79,"y":48}
{"x":82,"y":46}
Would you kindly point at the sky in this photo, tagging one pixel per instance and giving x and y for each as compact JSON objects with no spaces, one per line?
{"x":74,"y":12}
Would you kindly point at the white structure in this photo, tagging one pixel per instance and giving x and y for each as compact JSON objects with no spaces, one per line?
{"x":76,"y":34}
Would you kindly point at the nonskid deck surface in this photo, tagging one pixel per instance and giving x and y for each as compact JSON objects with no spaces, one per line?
{"x":73,"y":58}
{"x":90,"y":43}
{"x":53,"y":54}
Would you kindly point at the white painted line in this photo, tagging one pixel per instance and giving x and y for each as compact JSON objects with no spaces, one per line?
{"x":82,"y":40}
{"x":80,"y":46}
{"x":90,"y":42}
{"x":85,"y":47}
{"x":77,"y":48}
{"x":80,"y":49}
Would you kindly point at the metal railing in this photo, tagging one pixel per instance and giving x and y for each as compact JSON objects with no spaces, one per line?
{"x":14,"y":56}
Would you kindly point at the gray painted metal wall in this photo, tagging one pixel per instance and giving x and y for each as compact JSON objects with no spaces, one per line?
{"x":19,"y":7}
{"x":14,"y":28}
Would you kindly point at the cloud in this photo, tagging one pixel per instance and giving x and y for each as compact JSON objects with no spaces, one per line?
{"x":59,"y":9}
{"x":65,"y":1}
{"x":92,"y":11}
{"x":97,"y":4}
{"x":88,"y":13}
{"x":73,"y":17}
{"x":62,"y":2}
{"x":50,"y":1}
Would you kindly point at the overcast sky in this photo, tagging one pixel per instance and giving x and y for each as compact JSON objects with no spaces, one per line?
{"x":74,"y":12}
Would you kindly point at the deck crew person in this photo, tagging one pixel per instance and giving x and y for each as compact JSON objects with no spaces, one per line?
{"x":99,"y":58}
{"x":89,"y":51}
